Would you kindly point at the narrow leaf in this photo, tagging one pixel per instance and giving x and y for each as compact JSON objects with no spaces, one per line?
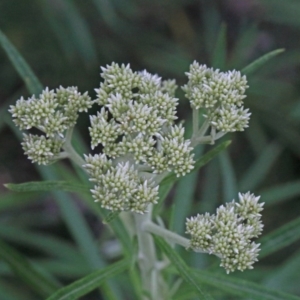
{"x":258,"y":63}
{"x":111,"y":216}
{"x":182,"y":268}
{"x":26,"y":271}
{"x":31,"y":81}
{"x":228,"y":175}
{"x":219,"y":54}
{"x":280,"y":238}
{"x":282,"y":192}
{"x":49,"y":185}
{"x":88,"y":283}
{"x":259,"y":169}
{"x":239,"y":287}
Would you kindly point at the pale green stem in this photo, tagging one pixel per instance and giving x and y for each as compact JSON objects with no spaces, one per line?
{"x":171,"y":236}
{"x":71,"y":153}
{"x":201,"y":132}
{"x":195,"y":121}
{"x":147,"y":257}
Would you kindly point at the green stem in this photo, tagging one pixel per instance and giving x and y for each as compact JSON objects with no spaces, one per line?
{"x":195,"y":121}
{"x":171,"y":236}
{"x":71,"y":153}
{"x":200,"y":133}
{"x":147,"y":257}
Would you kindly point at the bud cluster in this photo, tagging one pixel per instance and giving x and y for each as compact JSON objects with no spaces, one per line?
{"x":137,"y":120}
{"x":119,"y":187}
{"x":53,"y":112}
{"x":220,"y":95}
{"x":229,"y":233}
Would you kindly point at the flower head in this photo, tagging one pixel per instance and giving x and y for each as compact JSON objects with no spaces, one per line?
{"x":229,"y":233}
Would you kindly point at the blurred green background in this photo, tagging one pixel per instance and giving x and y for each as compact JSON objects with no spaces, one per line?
{"x":65,"y":42}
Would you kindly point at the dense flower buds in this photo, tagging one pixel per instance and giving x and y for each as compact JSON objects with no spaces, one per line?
{"x":220,"y":95}
{"x":229,"y":233}
{"x":134,"y":128}
{"x":52,"y":113}
{"x":137,"y":119}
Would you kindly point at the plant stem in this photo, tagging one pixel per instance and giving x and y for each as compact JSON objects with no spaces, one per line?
{"x":195,"y":121}
{"x":171,"y":236}
{"x":147,"y":257}
{"x":72,"y":154}
{"x":198,"y":135}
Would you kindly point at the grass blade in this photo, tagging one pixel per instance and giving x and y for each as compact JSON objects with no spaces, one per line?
{"x":229,"y":178}
{"x":85,"y":285}
{"x":181,"y":267}
{"x":280,"y":192}
{"x":258,"y":63}
{"x":31,"y":81}
{"x":260,"y":168}
{"x":26,"y":271}
{"x":43,"y":242}
{"x":220,"y":51}
{"x":280,"y":238}
{"x":46,"y":186}
{"x":239,"y":287}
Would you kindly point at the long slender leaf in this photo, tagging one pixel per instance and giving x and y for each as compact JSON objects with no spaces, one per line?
{"x":258,"y":63}
{"x":260,"y":168}
{"x":229,"y":178}
{"x":26,"y":271}
{"x":46,"y":243}
{"x":280,"y":238}
{"x":85,"y":285}
{"x":279,"y":193}
{"x":31,"y":81}
{"x":49,"y":185}
{"x":235,"y":286}
{"x":182,"y":268}
{"x":220,"y":51}
{"x":14,"y":200}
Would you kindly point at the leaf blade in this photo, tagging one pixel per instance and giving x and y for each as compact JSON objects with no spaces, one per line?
{"x":88,"y":283}
{"x":182,"y":268}
{"x":26,"y":271}
{"x":258,"y":63}
{"x":31,"y":81}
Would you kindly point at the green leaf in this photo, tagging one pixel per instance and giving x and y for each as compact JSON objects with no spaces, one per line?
{"x":258,"y":63}
{"x":12,"y":200}
{"x":280,"y":238}
{"x":43,"y":242}
{"x":220,"y":51}
{"x":48,"y":185}
{"x":31,"y":81}
{"x":239,"y":287}
{"x":181,"y":267}
{"x":229,"y":178}
{"x":279,"y":193}
{"x":88,"y":283}
{"x":21,"y":267}
{"x":259,"y":169}
{"x":111,"y":216}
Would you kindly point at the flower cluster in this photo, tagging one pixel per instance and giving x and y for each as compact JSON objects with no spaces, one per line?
{"x":229,"y":232}
{"x":137,"y":120}
{"x":52,"y":113}
{"x":220,"y":95}
{"x":119,"y":187}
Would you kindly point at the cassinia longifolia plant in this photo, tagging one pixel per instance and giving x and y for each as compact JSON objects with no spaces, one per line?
{"x":141,"y":144}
